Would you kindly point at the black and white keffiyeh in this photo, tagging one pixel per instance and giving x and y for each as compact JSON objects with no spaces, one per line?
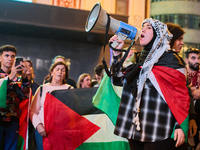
{"x":160,"y":45}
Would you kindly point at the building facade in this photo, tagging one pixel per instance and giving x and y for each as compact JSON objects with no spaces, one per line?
{"x":43,"y":29}
{"x":186,"y":13}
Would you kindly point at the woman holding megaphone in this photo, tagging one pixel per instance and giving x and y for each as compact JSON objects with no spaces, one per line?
{"x":153,"y":113}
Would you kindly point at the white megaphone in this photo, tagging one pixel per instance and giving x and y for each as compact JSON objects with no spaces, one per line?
{"x":97,"y":19}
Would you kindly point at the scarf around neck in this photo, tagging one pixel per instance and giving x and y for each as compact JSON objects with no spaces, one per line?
{"x":159,"y":46}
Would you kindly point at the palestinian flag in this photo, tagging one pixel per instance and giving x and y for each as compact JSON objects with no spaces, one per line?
{"x":166,"y":80}
{"x":72,"y":122}
{"x":107,"y":98}
{"x":3,"y":92}
{"x":23,"y":122}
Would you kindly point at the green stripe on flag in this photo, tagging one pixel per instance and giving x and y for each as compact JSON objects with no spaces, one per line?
{"x":119,"y":145}
{"x":20,"y":143}
{"x":184,"y":126}
{"x":103,"y":139}
{"x":107,"y":100}
{"x":3,"y":93}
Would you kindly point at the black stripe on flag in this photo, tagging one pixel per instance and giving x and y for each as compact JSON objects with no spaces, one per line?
{"x":79,"y":100}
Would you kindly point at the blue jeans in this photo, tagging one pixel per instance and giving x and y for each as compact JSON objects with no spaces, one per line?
{"x":38,"y":140}
{"x":9,"y":133}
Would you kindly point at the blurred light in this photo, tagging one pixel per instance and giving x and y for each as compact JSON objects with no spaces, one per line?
{"x":28,"y":1}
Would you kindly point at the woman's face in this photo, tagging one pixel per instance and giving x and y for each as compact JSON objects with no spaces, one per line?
{"x":147,"y":34}
{"x":29,"y":68}
{"x":58,"y":73}
{"x":178,"y":44}
{"x":86,"y":83}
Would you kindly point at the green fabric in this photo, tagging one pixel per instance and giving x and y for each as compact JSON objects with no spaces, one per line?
{"x":3,"y":94}
{"x":184,"y":127}
{"x":119,"y":145}
{"x":20,"y":143}
{"x":107,"y":100}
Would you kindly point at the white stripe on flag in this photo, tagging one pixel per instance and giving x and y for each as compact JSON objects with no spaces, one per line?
{"x":106,"y":133}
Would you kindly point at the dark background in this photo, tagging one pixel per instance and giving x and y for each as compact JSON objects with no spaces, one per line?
{"x":40,"y":32}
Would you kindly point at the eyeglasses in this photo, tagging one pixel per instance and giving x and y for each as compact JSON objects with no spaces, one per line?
{"x":190,"y":50}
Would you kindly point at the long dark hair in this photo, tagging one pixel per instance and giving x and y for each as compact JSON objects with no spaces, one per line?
{"x":176,"y":30}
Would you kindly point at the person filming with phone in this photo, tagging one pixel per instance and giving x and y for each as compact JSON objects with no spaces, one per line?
{"x":12,"y":91}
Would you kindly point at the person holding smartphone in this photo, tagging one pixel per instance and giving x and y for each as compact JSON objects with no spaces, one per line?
{"x":11,"y":94}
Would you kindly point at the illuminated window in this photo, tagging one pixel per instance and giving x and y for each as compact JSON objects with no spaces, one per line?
{"x":184,"y":20}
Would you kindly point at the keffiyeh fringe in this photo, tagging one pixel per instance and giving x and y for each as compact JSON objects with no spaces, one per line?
{"x":160,"y":45}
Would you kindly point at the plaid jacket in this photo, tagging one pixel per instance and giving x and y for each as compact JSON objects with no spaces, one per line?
{"x":156,"y":118}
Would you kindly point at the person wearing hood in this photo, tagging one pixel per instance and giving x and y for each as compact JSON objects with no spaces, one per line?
{"x":153,"y":112}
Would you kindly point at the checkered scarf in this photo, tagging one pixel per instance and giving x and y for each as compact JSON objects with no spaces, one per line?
{"x":160,"y":45}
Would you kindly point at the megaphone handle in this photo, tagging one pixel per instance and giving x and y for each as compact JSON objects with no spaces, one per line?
{"x":120,"y":37}
{"x":115,"y":44}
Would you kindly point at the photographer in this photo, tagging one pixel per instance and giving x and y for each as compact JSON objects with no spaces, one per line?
{"x":14,"y":88}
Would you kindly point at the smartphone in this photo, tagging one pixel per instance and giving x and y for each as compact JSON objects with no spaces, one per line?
{"x":17,"y":62}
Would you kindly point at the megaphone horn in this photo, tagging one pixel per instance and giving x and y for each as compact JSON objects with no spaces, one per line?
{"x":97,"y":19}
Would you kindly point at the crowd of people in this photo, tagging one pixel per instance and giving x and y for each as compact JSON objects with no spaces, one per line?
{"x":159,"y":102}
{"x":19,"y":86}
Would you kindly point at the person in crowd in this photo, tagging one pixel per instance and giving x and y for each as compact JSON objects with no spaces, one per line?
{"x":31,"y":75}
{"x":99,"y":73}
{"x":84,"y":81}
{"x":192,"y":59}
{"x":14,"y":88}
{"x":176,"y":44}
{"x":34,"y":138}
{"x":148,"y":110}
{"x":69,"y":80}
{"x":58,"y":74}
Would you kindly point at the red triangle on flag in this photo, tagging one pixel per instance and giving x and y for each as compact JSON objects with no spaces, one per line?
{"x":65,"y":128}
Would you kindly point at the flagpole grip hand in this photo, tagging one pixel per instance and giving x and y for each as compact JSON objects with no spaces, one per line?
{"x":41,"y":130}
